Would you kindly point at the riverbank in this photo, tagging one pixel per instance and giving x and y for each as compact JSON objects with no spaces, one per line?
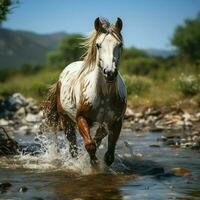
{"x":180,"y":126}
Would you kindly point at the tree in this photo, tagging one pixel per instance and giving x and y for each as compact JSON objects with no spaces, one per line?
{"x":5,"y":8}
{"x":69,"y":51}
{"x":187,"y":39}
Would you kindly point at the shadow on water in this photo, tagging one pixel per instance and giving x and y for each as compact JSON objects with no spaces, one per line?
{"x":139,"y":172}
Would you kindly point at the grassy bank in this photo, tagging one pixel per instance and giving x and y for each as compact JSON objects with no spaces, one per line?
{"x":142,"y":90}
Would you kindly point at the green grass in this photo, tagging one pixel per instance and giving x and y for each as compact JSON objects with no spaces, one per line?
{"x":142,"y":90}
{"x":30,"y":85}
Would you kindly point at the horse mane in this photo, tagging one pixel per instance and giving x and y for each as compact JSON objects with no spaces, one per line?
{"x":89,"y":57}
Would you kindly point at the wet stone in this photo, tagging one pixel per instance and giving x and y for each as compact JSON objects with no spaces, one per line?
{"x":23,"y":189}
{"x":4,"y":187}
{"x":180,"y":171}
{"x":154,"y":145}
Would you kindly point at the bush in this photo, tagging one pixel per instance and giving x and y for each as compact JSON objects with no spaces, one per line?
{"x":136,"y":85}
{"x":188,"y":85}
{"x":140,"y":65}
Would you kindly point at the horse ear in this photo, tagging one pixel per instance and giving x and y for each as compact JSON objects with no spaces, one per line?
{"x":97,"y":24}
{"x":118,"y":24}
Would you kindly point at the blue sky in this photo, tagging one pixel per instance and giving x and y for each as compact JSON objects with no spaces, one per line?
{"x":147,"y":23}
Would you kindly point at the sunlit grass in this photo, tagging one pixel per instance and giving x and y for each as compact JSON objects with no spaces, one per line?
{"x":30,"y":85}
{"x":142,"y":90}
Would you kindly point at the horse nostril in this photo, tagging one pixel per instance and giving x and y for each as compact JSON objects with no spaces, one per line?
{"x":104,"y":71}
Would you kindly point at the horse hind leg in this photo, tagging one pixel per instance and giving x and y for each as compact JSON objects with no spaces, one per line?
{"x":70,"y":132}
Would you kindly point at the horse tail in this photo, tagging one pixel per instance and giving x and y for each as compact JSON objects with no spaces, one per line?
{"x":50,"y":106}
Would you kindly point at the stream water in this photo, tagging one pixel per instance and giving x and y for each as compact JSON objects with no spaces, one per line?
{"x":140,"y":171}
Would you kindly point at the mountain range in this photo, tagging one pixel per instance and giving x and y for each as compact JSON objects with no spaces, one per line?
{"x":24,"y":47}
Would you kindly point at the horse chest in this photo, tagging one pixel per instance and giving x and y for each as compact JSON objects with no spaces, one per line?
{"x":104,"y":111}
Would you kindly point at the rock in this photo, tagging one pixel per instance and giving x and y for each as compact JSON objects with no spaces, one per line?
{"x":198,"y":115}
{"x":129,"y":113}
{"x":154,"y":145}
{"x":21,"y":113}
{"x":4,"y":187}
{"x":170,"y":142}
{"x":153,"y":112}
{"x":180,"y":171}
{"x":186,"y":116}
{"x":162,"y":139}
{"x":33,"y":118}
{"x":156,"y":129}
{"x":138,"y":115}
{"x":23,"y":130}
{"x":23,"y":189}
{"x":4,"y":122}
{"x":195,"y":138}
{"x":180,"y":123}
{"x":32,"y":108}
{"x":141,"y":121}
{"x":15,"y":102}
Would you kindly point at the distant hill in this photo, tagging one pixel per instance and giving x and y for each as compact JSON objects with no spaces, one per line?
{"x":22,"y":47}
{"x":160,"y":52}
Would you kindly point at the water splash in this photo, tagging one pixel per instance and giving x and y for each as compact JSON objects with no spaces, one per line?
{"x":50,"y":153}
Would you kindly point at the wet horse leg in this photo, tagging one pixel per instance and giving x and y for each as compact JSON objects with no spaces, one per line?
{"x":100,"y":134}
{"x":114,"y":131}
{"x":70,"y":132}
{"x":90,"y":144}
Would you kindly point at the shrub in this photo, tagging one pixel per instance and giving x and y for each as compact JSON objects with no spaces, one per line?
{"x":140,"y":65}
{"x":136,"y":85}
{"x":188,"y":85}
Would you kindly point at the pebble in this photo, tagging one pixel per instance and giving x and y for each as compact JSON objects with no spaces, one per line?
{"x":4,"y":122}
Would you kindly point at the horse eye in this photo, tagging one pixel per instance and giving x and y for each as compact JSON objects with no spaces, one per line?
{"x":98,"y":46}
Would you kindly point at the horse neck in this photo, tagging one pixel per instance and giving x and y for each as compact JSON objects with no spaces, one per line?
{"x":102,"y":87}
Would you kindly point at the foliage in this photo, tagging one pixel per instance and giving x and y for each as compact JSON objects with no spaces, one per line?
{"x":136,"y":85}
{"x":140,"y":65}
{"x":131,"y":53}
{"x":188,"y":85}
{"x":33,"y":84}
{"x":187,"y":39}
{"x":69,"y":51}
{"x":5,"y":8}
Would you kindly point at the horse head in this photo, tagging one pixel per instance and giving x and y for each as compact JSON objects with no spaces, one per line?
{"x":109,"y":46}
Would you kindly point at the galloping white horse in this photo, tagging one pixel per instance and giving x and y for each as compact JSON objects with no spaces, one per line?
{"x":92,"y":91}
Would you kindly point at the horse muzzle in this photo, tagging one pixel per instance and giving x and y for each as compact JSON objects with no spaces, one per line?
{"x":110,"y":76}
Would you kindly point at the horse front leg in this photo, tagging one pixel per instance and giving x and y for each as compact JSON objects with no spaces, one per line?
{"x":90,"y":144}
{"x":114,"y":131}
{"x":100,"y":134}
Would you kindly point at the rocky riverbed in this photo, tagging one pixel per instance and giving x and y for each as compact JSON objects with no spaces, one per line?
{"x":180,"y":128}
{"x":147,"y":162}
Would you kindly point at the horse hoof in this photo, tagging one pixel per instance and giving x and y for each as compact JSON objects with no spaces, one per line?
{"x":109,"y":158}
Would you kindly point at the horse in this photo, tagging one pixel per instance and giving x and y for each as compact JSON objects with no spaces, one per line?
{"x":90,"y":92}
